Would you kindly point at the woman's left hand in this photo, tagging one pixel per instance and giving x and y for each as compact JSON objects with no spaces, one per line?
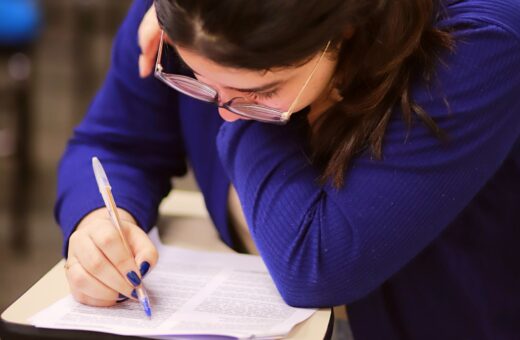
{"x":149,"y":35}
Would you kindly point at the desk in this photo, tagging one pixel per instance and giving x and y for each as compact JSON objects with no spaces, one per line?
{"x":193,"y":230}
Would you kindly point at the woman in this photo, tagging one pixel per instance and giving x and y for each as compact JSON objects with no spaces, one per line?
{"x":391,"y":186}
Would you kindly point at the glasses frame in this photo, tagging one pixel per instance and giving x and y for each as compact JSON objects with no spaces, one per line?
{"x":272,"y":115}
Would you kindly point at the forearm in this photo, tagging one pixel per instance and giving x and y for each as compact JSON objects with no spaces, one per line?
{"x":132,"y":127}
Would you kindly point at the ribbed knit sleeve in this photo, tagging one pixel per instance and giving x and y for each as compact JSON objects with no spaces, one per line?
{"x":132,"y":126}
{"x":327,"y":247}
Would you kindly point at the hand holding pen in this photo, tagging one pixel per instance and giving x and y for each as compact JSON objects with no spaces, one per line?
{"x":101,"y":269}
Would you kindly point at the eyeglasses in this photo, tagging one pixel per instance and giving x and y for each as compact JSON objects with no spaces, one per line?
{"x":238,"y":105}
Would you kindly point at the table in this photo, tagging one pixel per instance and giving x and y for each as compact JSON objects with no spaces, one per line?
{"x":187,"y":227}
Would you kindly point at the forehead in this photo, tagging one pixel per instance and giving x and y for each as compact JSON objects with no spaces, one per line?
{"x":229,"y":76}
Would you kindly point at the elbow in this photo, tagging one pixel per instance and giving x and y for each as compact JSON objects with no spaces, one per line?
{"x":324,"y":265}
{"x":337,"y":288}
{"x":329,"y":276}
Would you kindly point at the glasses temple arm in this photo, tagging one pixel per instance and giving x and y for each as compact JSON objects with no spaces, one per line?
{"x":158,"y":66}
{"x":293,"y":105}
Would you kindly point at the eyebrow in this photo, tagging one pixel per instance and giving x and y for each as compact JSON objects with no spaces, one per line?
{"x":261,"y":88}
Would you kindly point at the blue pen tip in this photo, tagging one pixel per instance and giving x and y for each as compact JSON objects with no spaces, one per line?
{"x":147,"y":309}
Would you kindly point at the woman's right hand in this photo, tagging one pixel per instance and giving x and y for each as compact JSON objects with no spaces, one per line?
{"x":99,"y":267}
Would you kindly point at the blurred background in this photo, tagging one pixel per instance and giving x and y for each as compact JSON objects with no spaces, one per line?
{"x":53,"y":56}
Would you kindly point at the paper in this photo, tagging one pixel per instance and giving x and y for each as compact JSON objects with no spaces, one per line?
{"x":192,"y":293}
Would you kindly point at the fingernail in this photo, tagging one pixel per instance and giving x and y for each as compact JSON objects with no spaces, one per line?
{"x":134,"y":294}
{"x":145,"y":266}
{"x":134,"y":279}
{"x":143,"y":72}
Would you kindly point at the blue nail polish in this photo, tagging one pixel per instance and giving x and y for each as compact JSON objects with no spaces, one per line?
{"x":134,"y":279}
{"x":145,"y":266}
{"x":134,"y":294}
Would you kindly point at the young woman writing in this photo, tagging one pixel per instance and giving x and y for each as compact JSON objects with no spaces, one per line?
{"x":389,"y":180}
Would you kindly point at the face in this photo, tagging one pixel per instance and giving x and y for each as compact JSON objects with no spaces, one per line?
{"x":277,"y":88}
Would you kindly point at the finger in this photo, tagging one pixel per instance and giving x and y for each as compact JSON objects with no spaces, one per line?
{"x":94,"y":261}
{"x":148,"y":40}
{"x":146,"y":65}
{"x":144,"y":251}
{"x":148,"y":57}
{"x":84,"y":284}
{"x":90,"y":301}
{"x":109,"y":241}
{"x":71,"y":261}
{"x":149,"y":33}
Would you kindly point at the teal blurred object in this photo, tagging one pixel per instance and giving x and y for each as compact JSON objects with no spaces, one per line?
{"x":20,"y":21}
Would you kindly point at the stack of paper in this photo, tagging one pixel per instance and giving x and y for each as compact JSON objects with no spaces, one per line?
{"x":193,"y":294}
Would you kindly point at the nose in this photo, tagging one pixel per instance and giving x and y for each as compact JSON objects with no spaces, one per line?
{"x":228,"y":115}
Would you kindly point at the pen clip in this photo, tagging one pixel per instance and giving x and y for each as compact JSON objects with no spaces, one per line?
{"x":106,"y":191}
{"x":101,"y":179}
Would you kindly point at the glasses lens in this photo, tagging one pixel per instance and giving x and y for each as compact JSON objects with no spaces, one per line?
{"x":258,"y":112}
{"x":193,"y":88}
{"x":189,"y":86}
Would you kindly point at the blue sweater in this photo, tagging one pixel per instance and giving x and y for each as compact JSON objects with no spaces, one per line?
{"x":421,"y":245}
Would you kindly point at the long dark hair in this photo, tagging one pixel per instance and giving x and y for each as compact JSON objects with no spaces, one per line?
{"x":392,"y":44}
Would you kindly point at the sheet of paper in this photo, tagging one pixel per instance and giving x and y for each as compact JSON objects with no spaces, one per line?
{"x":191,"y":293}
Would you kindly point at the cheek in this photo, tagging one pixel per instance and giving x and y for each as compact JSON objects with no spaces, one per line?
{"x":228,"y":116}
{"x":285,"y":99}
{"x":278,"y":102}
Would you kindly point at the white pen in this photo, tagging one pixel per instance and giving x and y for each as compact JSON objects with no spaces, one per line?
{"x":106,"y":192}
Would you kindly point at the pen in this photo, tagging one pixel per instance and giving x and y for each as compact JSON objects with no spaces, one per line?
{"x":106,"y":192}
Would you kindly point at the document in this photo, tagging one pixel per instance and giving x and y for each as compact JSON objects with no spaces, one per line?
{"x":193,"y":294}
